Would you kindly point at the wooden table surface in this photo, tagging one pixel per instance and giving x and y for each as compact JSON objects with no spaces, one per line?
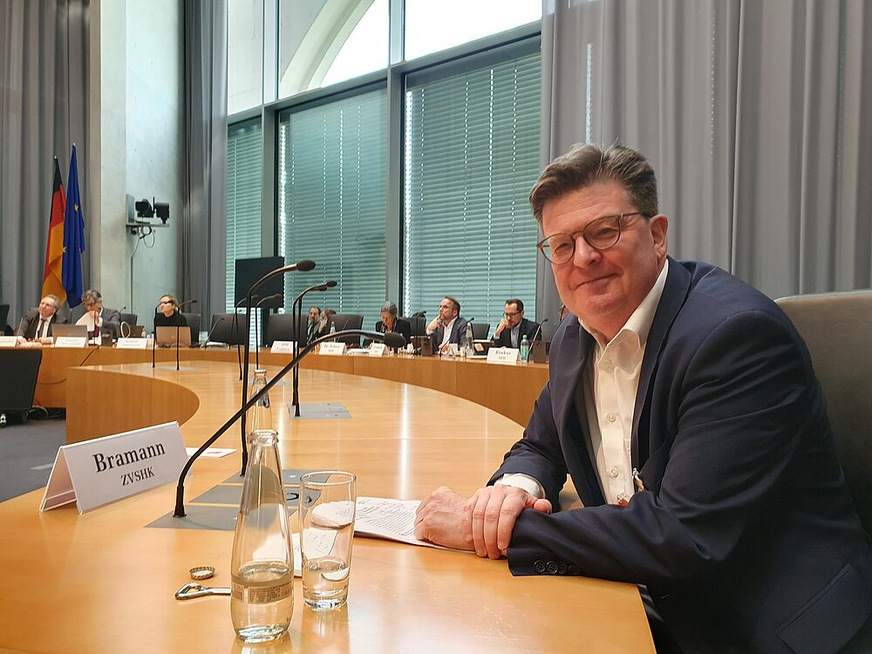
{"x":103,"y":582}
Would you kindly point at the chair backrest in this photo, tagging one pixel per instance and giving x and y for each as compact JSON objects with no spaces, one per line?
{"x":4,"y":315}
{"x":837,"y":328}
{"x":228,"y":328}
{"x":129,"y":318}
{"x":348,"y":321}
{"x":480,"y":330}
{"x":280,"y":327}
{"x":193,"y":320}
{"x":419,"y":325}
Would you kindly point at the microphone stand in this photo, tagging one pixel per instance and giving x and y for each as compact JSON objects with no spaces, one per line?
{"x":297,"y":318}
{"x":235,"y":334}
{"x":268,"y":298}
{"x":304,"y":266}
{"x":391,"y":339}
{"x":535,"y":336}
{"x":178,"y":333}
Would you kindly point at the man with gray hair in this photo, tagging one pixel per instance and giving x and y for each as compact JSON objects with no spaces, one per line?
{"x":683,"y":405}
{"x":390,"y":323}
{"x":36,"y":324}
{"x":98,"y":317}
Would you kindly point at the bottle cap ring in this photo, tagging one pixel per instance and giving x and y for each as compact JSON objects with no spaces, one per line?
{"x":202,"y":572}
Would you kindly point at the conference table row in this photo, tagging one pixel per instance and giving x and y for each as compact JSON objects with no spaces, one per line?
{"x":103,"y":581}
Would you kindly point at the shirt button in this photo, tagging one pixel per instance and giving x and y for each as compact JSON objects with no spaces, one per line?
{"x":607,"y":364}
{"x":551,"y":567}
{"x":561,"y":568}
{"x":614,"y":472}
{"x":539,"y":566}
{"x":611,"y":417}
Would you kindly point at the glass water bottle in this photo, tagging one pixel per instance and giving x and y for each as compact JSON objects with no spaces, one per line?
{"x":262,"y":562}
{"x":259,"y":416}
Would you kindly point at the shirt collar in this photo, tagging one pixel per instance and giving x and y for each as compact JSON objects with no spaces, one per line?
{"x":639,"y":322}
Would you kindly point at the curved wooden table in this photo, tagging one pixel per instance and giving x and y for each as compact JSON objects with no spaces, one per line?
{"x":102,"y":582}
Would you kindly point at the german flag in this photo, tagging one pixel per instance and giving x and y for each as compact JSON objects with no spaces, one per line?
{"x":52,"y":284}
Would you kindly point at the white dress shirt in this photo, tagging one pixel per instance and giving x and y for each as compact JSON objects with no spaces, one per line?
{"x":610,"y":383}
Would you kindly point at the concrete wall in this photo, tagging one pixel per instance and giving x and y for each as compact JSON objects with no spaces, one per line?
{"x":137,"y":104}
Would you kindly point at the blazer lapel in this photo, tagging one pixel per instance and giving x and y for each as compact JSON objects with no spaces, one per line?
{"x":674,"y":296}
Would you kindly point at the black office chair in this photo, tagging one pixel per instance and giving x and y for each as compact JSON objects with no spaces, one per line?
{"x":837,"y":328}
{"x":419,"y":325}
{"x":480,"y":330}
{"x":129,"y":318}
{"x":193,"y":320}
{"x":348,"y":321}
{"x":280,"y":327}
{"x":228,"y":328}
{"x":4,"y":316}
{"x":16,"y":391}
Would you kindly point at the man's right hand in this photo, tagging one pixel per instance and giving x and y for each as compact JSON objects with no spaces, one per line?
{"x":504,"y":324}
{"x":433,"y":326}
{"x":492,"y":514}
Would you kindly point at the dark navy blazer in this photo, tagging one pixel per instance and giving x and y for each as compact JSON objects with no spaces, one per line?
{"x":745,"y":534}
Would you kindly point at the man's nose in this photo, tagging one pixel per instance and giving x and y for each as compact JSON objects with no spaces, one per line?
{"x":584,"y":254}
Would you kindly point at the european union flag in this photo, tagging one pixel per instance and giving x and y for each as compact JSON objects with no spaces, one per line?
{"x":74,"y":237}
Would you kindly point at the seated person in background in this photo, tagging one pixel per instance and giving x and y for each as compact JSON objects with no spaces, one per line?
{"x":326,"y":323}
{"x":390,"y":323}
{"x":448,"y":326}
{"x":312,"y":325}
{"x":683,"y":405}
{"x":36,"y":324}
{"x":514,"y":326}
{"x":97,"y":315}
{"x":168,"y":313}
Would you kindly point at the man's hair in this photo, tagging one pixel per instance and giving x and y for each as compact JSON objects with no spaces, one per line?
{"x":173,"y":300}
{"x":586,"y":164}
{"x":56,"y":299}
{"x":318,"y":309}
{"x":92,"y":296}
{"x":390,"y":307}
{"x":454,"y":302}
{"x":515,"y":300}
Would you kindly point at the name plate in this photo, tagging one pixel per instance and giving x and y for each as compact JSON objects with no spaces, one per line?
{"x":131,"y":343}
{"x":102,"y":470}
{"x":377,"y":350}
{"x":504,"y":355}
{"x":71,"y":341}
{"x":332,"y":348}
{"x":282,"y":347}
{"x":8,"y":341}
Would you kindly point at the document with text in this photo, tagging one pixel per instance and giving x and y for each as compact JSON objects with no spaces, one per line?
{"x":380,"y":517}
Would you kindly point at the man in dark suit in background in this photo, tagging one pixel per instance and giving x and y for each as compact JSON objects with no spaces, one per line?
{"x":36,"y":324}
{"x":97,"y":315}
{"x":448,"y":327}
{"x":514,"y":326}
{"x":683,"y":405}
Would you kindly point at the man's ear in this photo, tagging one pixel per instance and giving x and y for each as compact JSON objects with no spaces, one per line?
{"x":659,"y":225}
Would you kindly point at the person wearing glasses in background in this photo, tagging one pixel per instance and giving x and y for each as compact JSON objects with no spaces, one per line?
{"x":684,"y":407}
{"x":514,"y":326}
{"x":390,"y":323}
{"x":168,"y":314}
{"x":36,"y":324}
{"x":96,"y":315}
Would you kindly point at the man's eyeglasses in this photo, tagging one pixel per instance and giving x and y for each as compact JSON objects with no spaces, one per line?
{"x":512,"y":315}
{"x":600,"y":234}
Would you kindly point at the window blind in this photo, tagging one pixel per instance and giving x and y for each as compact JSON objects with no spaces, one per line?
{"x":244,"y":180}
{"x":471,"y":158}
{"x":332,"y":201}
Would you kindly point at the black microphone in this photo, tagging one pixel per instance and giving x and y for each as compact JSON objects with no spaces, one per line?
{"x":179,"y":308}
{"x":303,"y":266}
{"x":212,"y":329}
{"x":538,"y":330}
{"x":391,"y":339}
{"x":263,"y":300}
{"x":297,"y":318}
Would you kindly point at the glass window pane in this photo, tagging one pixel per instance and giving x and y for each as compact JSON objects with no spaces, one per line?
{"x":433,"y":25}
{"x":244,"y":54}
{"x":321,"y":43}
{"x":471,"y":158}
{"x":332,"y":201}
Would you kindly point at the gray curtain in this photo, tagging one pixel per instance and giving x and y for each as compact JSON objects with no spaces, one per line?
{"x":203,"y":231}
{"x":750,"y":111}
{"x":43,"y":111}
